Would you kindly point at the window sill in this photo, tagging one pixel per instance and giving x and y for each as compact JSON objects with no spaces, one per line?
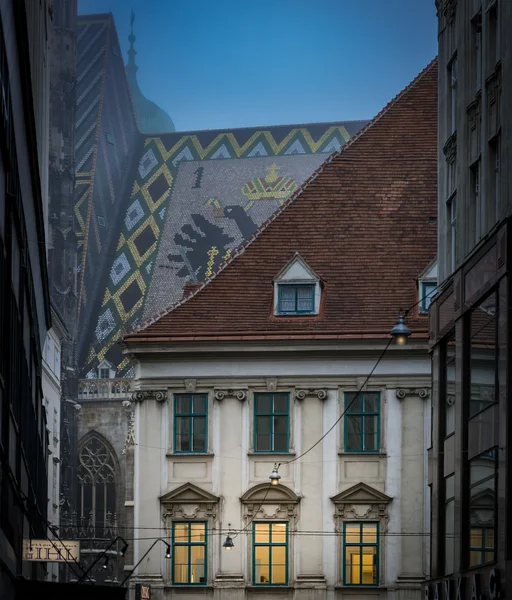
{"x":188,"y":587}
{"x":253,"y":453}
{"x":268,"y":589}
{"x":360,"y":588}
{"x":368,"y":453}
{"x":188,"y":454}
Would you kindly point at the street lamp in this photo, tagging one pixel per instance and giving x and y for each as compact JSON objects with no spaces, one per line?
{"x":274,"y":476}
{"x":228,"y":543}
{"x":400,"y":331}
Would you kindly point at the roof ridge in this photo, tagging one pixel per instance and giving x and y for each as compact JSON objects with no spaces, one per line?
{"x":241,"y":249}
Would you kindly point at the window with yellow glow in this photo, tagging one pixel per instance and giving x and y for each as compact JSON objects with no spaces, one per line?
{"x":270,"y":553}
{"x":189,"y":553}
{"x":360,"y":553}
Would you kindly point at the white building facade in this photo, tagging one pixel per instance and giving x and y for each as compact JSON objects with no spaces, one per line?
{"x":350,"y":516}
{"x":51,"y":377}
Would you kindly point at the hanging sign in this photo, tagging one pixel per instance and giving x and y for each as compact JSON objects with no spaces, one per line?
{"x":51,"y":551}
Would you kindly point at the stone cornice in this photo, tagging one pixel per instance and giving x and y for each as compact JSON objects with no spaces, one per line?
{"x":423,"y":393}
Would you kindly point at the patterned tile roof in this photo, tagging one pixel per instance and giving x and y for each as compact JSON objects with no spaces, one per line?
{"x":361,"y":222}
{"x":155,"y":212}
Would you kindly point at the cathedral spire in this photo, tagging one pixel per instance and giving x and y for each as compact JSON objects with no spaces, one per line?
{"x":131,"y":67}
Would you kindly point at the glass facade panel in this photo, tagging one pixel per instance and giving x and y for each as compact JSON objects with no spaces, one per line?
{"x":482,"y":507}
{"x":448,"y":396}
{"x":484,"y":355}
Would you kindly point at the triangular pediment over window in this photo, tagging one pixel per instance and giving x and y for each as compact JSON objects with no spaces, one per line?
{"x":188,"y":493}
{"x":361,"y":493}
{"x":263,"y":494}
{"x":297,"y":270}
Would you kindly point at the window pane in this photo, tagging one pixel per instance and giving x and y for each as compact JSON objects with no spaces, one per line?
{"x":263,"y":433}
{"x":199,"y":404}
{"x":197,"y":531}
{"x":305,"y":299}
{"x":263,"y":442}
{"x":370,"y":433}
{"x":262,"y":533}
{"x":182,"y":405}
{"x":369,"y":533}
{"x":182,"y":425}
{"x":287,"y":298}
{"x":181,"y":532}
{"x":369,"y":570}
{"x":199,"y":438}
{"x":280,"y":424}
{"x":353,"y":433}
{"x":352,"y":533}
{"x":280,"y":442}
{"x":371,"y":402}
{"x":278,"y":564}
{"x":279,"y":574}
{"x":261,"y":564}
{"x":181,"y":564}
{"x":449,"y":396}
{"x":482,"y":504}
{"x":353,"y":404}
{"x":263,"y":403}
{"x":279,"y":533}
{"x":281,"y":403}
{"x":352,"y":565}
{"x":197,"y":564}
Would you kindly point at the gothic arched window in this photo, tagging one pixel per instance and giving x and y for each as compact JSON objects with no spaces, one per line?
{"x":97,"y":484}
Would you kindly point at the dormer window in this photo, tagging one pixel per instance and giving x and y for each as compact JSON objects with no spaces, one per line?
{"x":296,"y":289}
{"x":427,"y":287}
{"x":296,"y":299}
{"x":106,"y":370}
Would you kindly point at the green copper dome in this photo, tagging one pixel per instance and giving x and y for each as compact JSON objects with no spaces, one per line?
{"x":151,"y":118}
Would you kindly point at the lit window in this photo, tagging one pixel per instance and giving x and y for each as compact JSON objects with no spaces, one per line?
{"x":362,"y":422}
{"x":296,"y":299}
{"x":360,"y":553}
{"x":428,"y":289}
{"x":270,"y":553}
{"x":271,"y":422}
{"x":189,"y":553}
{"x":482,"y":508}
{"x":190,"y":422}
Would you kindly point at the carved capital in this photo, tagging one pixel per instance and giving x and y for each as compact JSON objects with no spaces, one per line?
{"x":141,"y":395}
{"x":301,"y":394}
{"x":450,"y":148}
{"x":423,"y":393}
{"x":238,"y":394}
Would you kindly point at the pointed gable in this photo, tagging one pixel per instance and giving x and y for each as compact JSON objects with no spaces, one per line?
{"x":362,"y":221}
{"x":188,"y":493}
{"x":297,"y":270}
{"x":361,"y":493}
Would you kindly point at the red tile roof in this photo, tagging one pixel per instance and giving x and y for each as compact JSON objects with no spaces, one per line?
{"x":361,"y":222}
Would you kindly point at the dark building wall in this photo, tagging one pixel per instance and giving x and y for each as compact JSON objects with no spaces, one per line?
{"x":24,"y":296}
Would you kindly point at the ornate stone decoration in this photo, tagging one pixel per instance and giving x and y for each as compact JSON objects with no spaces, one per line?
{"x":278,"y":502}
{"x":130,"y":436}
{"x":450,"y":148}
{"x":361,"y":502}
{"x":449,"y":10}
{"x":190,"y":385}
{"x":450,"y":399}
{"x":238,"y":394}
{"x":302,"y":393}
{"x":423,"y":393}
{"x":189,"y":502}
{"x":271,"y":384}
{"x":141,"y":395}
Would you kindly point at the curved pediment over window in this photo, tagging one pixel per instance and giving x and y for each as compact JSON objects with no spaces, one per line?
{"x":264,"y":493}
{"x":361,"y":502}
{"x":361,"y":493}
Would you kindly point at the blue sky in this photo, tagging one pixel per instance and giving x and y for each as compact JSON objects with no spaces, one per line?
{"x":237,"y":63}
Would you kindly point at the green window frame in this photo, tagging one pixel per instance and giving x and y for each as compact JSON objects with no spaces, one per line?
{"x":362,"y":422}
{"x":189,"y":553}
{"x":270,"y":553}
{"x":190,"y":423}
{"x":272,"y":422}
{"x":361,"y":559}
{"x":428,"y":289}
{"x":296,"y":299}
